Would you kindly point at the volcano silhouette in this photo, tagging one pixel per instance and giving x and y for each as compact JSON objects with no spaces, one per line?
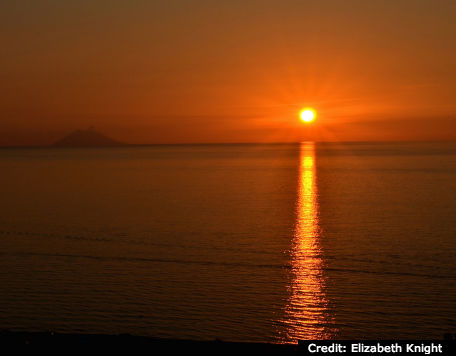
{"x":86,"y":138}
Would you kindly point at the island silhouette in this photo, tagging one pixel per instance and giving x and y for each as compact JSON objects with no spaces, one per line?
{"x":87,"y":138}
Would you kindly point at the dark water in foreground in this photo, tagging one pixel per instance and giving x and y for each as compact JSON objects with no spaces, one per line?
{"x":239,"y":242}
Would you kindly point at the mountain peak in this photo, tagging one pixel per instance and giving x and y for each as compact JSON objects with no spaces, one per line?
{"x":86,"y":138}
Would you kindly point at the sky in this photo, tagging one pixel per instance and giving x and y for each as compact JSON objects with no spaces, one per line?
{"x":200,"y":71}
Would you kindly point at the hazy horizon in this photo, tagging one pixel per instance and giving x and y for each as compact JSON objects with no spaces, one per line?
{"x":124,"y":144}
{"x":189,"y":72}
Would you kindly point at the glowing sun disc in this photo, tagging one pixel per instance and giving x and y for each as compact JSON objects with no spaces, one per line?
{"x":307,"y":115}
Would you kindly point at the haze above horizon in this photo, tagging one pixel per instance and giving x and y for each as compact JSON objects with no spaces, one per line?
{"x":229,"y":71}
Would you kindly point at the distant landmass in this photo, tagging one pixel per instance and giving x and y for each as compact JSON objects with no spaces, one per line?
{"x":87,"y":138}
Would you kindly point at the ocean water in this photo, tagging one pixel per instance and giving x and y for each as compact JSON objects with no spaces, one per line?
{"x":267,"y":243}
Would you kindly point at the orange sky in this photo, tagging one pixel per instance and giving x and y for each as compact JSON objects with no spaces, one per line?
{"x":227,"y":71}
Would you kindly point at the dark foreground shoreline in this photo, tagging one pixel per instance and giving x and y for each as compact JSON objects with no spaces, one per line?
{"x":15,"y":342}
{"x":59,"y":343}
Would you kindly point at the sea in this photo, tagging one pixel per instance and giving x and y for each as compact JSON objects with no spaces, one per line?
{"x":237,"y":242}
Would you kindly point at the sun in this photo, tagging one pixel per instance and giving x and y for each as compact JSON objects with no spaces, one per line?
{"x":307,"y":114}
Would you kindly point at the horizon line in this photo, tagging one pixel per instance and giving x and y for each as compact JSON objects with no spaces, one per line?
{"x":123,"y":144}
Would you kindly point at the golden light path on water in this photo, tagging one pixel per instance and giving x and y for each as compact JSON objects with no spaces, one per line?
{"x":306,"y":314}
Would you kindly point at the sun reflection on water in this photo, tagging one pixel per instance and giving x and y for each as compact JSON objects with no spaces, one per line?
{"x":306,"y":314}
